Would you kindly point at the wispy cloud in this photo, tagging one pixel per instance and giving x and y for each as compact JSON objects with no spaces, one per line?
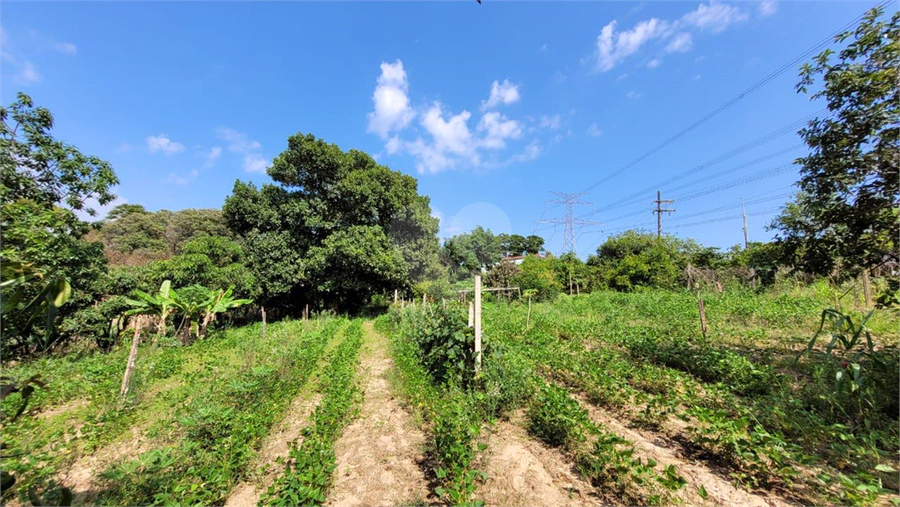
{"x":615,"y":45}
{"x":594,"y":131}
{"x":654,"y":63}
{"x":551,"y":122}
{"x":240,"y":143}
{"x":64,"y":47}
{"x":161,"y":143}
{"x":501,"y":93}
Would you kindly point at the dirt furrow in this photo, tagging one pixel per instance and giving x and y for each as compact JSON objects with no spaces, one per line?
{"x":275,"y":446}
{"x":379,"y":455}
{"x":720,"y":490}
{"x":522,"y":471}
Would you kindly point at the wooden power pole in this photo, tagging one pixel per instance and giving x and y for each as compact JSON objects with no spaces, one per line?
{"x":660,"y":210}
{"x":744,"y":214}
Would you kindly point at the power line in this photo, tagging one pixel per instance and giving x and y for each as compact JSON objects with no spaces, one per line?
{"x":759,"y":84}
{"x":759,"y":141}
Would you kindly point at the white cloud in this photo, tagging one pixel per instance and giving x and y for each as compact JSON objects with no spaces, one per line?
{"x":238,"y":142}
{"x":654,"y":63}
{"x":768,"y":7}
{"x":163,"y":144}
{"x":551,"y":122}
{"x":442,"y":139}
{"x":181,"y":180}
{"x":392,"y":109}
{"x":633,"y":95}
{"x":501,"y":93}
{"x":498,"y":129}
{"x":214,"y":153}
{"x":450,"y":135}
{"x":255,"y":163}
{"x":614,"y":46}
{"x":680,"y":43}
{"x":594,"y":131}
{"x":714,"y":16}
{"x":65,"y":47}
{"x":28,"y":74}
{"x":531,"y":152}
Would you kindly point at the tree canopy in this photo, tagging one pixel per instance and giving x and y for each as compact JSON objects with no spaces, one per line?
{"x":846,"y":210}
{"x":336,"y":228}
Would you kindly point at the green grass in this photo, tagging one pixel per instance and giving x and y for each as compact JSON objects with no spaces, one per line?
{"x":176,"y":400}
{"x":749,"y":405}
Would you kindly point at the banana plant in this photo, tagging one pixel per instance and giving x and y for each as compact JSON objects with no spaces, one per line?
{"x":160,"y":304}
{"x":53,"y":292}
{"x":220,"y":302}
{"x":190,"y":301}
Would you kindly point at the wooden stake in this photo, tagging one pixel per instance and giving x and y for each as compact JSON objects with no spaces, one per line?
{"x":471,"y":314}
{"x":424,"y":295}
{"x":702,"y":308}
{"x":132,"y":357}
{"x":867,"y":289}
{"x":395,"y":296}
{"x":477,"y":324}
{"x":528,"y":318}
{"x":262,"y":311}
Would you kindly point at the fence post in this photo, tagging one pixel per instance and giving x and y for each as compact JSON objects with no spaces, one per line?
{"x":132,"y":356}
{"x":471,"y":314}
{"x":424,"y":295}
{"x":867,"y":289}
{"x":262,"y":311}
{"x":702,"y":307}
{"x":528,"y":318}
{"x":477,"y":324}
{"x":395,"y":296}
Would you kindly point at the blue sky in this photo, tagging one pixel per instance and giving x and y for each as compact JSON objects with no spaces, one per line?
{"x":490,"y":106}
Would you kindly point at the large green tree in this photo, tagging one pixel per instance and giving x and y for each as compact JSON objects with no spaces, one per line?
{"x":42,"y":182}
{"x":469,"y":253}
{"x":846,"y":211}
{"x":335,"y":229}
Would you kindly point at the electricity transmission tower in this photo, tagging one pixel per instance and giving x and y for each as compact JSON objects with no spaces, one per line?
{"x":660,"y":210}
{"x":569,"y":220}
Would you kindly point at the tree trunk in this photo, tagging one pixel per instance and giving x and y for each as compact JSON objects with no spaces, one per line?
{"x":132,"y":357}
{"x":186,"y":325}
{"x":162,"y":325}
{"x":209,"y":317}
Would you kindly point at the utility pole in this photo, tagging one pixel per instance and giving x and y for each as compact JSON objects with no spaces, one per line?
{"x":569,"y":220}
{"x":660,"y":210}
{"x":744,"y":214}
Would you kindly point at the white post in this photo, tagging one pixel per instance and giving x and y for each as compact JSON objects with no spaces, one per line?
{"x":477,"y":324}
{"x":395,"y":296}
{"x":424,"y":295}
{"x":471,"y":314}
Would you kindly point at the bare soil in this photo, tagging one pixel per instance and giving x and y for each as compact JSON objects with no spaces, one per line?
{"x":379,"y":455}
{"x":523,"y":471}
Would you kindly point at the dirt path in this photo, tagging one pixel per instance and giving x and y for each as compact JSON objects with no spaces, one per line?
{"x":275,"y":445}
{"x":522,"y":471}
{"x":379,"y":454}
{"x":721,"y":491}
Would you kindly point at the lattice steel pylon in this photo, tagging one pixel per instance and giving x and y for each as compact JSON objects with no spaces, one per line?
{"x":569,"y":220}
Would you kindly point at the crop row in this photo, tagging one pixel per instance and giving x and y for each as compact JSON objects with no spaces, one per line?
{"x":737,"y":412}
{"x":220,"y":424}
{"x":308,"y":471}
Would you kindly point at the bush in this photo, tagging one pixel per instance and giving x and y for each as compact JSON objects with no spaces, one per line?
{"x":444,"y":342}
{"x":538,"y":274}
